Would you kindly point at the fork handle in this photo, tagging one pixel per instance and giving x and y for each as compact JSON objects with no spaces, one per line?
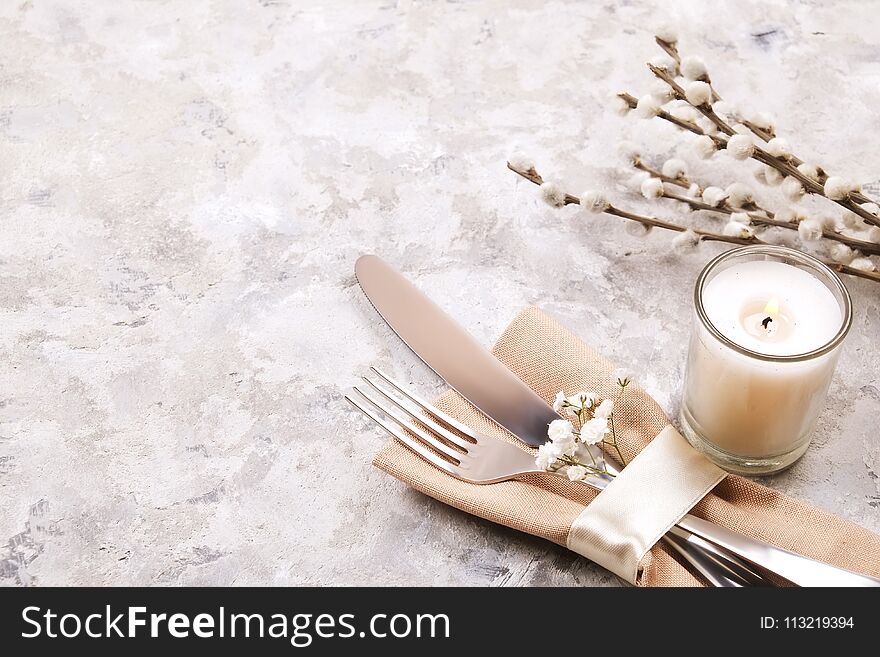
{"x":711,"y":561}
{"x":796,"y":568}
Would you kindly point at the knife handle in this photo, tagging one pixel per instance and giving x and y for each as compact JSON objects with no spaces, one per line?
{"x":796,"y":568}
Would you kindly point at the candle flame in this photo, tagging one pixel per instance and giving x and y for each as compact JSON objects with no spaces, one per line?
{"x":772,"y":307}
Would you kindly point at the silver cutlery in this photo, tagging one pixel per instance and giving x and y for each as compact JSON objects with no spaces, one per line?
{"x":484,"y":381}
{"x":471,"y":456}
{"x":472,"y":370}
{"x":477,"y":458}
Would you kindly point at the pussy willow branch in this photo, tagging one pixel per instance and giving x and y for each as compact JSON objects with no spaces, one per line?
{"x":786,"y":167}
{"x":653,"y":222}
{"x":534,"y":177}
{"x":765,"y":135}
{"x":721,"y":143}
{"x":762,"y":133}
{"x":632,"y":101}
{"x":757,"y":214}
{"x":671,"y":49}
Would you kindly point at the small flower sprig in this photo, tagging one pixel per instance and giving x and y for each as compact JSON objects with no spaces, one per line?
{"x":568,"y":450}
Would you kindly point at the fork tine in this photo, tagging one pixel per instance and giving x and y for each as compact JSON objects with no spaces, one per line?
{"x":436,"y":427}
{"x":444,"y":418}
{"x":424,"y":436}
{"x":411,"y":444}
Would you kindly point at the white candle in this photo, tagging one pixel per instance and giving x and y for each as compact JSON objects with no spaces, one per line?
{"x":748,"y":406}
{"x":803,"y":314}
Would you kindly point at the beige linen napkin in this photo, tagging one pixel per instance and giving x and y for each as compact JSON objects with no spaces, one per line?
{"x":549,"y":358}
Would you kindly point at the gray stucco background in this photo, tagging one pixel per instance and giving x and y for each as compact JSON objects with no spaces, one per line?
{"x":185,"y":187}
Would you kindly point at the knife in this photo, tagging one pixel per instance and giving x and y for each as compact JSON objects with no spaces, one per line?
{"x":453,"y":353}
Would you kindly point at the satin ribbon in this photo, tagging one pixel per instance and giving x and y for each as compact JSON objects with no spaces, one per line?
{"x":649,"y":496}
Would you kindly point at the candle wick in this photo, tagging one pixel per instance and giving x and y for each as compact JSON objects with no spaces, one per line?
{"x":766,"y":321}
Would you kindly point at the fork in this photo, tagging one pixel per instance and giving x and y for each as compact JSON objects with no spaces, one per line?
{"x":723,"y":556}
{"x":478,"y":458}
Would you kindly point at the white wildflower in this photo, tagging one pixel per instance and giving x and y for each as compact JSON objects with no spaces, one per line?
{"x":667,"y":33}
{"x":620,"y":105}
{"x":694,"y":191}
{"x":567,"y":444}
{"x":553,"y":194}
{"x":559,"y":432}
{"x":593,"y":201}
{"x":738,"y":229}
{"x":559,"y":402}
{"x":521,"y":162}
{"x":741,"y":217}
{"x":622,"y":377}
{"x":778,"y":147}
{"x":705,"y":146}
{"x":582,"y":399}
{"x":862,"y":264}
{"x":837,"y":188}
{"x":693,"y":68}
{"x":648,"y":106}
{"x":810,"y":230}
{"x":664,"y":62}
{"x":741,"y":147}
{"x":684,"y":112}
{"x":714,"y":196}
{"x":739,"y":194}
{"x":629,"y":151}
{"x":652,"y":188}
{"x":675,"y":168}
{"x":685,"y":241}
{"x":772,"y":177}
{"x":636,"y":228}
{"x":605,"y":409}
{"x":792,"y":189}
{"x":809,"y":170}
{"x":576,"y":472}
{"x":841,"y":253}
{"x":698,"y":93}
{"x":594,"y":431}
{"x":872,"y":233}
{"x":548,"y":453}
{"x":763,"y":121}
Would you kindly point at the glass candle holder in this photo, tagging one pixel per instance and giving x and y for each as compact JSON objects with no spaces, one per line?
{"x":769,"y":323}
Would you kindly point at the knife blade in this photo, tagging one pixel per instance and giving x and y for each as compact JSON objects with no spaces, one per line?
{"x":453,"y":353}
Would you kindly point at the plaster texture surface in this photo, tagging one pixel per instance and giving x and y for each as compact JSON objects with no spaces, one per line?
{"x":185,"y":188}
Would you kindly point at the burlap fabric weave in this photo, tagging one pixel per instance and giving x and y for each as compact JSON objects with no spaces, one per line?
{"x":550,"y":358}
